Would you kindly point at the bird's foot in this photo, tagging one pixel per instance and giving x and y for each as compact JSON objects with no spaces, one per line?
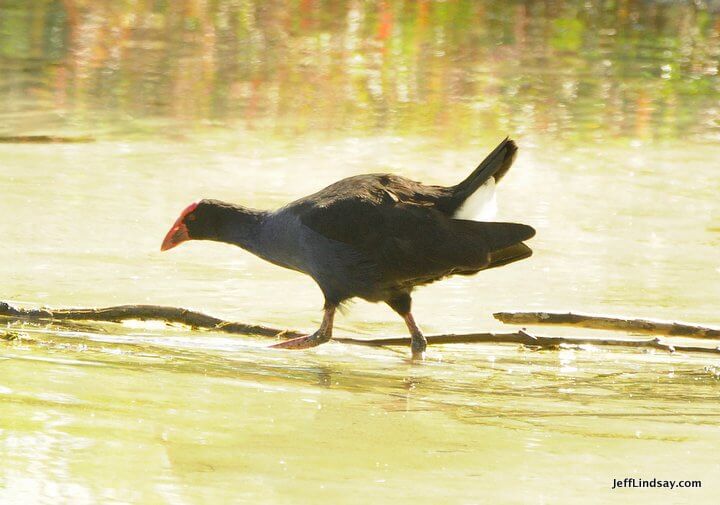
{"x":417,"y":356}
{"x":305,"y":342}
{"x":418,"y":346}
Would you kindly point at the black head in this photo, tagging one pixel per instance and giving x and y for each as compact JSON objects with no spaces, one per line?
{"x":210,"y":220}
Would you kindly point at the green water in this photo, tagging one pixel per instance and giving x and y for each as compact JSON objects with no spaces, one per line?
{"x":614,"y":106}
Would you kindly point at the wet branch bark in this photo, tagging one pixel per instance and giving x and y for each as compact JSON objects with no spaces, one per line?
{"x":203,"y":321}
{"x":609,"y":323}
{"x":43,"y":139}
{"x":144,"y":313}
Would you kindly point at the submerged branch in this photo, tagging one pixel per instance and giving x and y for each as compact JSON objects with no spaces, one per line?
{"x":144,"y":313}
{"x":199,"y":320}
{"x":43,"y":139}
{"x":542,"y":342}
{"x":520,"y":337}
{"x":609,"y":323}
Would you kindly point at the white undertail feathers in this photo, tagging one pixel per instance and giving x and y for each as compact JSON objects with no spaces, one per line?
{"x":481,"y":205}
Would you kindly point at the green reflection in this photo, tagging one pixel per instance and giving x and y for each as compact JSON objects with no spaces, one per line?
{"x":615,"y":106}
{"x":573,"y":69}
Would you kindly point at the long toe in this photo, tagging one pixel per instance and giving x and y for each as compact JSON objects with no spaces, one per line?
{"x":299,"y":343}
{"x":418,"y":355}
{"x":418,"y":346}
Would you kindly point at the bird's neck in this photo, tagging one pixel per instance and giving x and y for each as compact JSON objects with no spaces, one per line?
{"x":241,"y":226}
{"x":263,"y":233}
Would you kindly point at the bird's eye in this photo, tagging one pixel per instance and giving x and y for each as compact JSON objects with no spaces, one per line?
{"x":192,"y":217}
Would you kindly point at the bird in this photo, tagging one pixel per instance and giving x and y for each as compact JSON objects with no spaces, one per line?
{"x":376,"y":237}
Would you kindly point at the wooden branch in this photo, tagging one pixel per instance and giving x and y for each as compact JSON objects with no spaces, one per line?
{"x":144,"y":313}
{"x":199,"y":320}
{"x":43,"y":139}
{"x":609,"y":323}
{"x":527,"y":339}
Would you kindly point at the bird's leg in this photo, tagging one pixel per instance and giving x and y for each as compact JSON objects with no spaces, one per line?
{"x":321,"y":336}
{"x":418,"y":343}
{"x":402,"y":303}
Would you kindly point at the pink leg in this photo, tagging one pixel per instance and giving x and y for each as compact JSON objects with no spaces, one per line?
{"x":321,"y":336}
{"x":418,"y":342}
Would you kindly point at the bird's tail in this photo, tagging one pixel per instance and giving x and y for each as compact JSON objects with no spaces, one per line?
{"x":496,"y":165}
{"x":509,"y":255}
{"x":499,"y":236}
{"x":487,"y":173}
{"x":497,"y":244}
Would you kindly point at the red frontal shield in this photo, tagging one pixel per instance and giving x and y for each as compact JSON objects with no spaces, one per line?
{"x":179,"y":232}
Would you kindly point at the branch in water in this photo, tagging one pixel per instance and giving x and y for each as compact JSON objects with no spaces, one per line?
{"x":144,"y":313}
{"x":199,"y":320}
{"x":609,"y":323}
{"x":43,"y":139}
{"x":524,"y":338}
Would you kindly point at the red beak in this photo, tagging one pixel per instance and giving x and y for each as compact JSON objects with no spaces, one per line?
{"x":179,"y":232}
{"x":176,"y":236}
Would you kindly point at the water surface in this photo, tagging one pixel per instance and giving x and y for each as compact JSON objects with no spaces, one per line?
{"x":615,"y":110}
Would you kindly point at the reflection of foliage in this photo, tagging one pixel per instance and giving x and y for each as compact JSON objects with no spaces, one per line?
{"x":567,"y":35}
{"x":630,"y":67}
{"x":12,"y":336}
{"x":56,"y":32}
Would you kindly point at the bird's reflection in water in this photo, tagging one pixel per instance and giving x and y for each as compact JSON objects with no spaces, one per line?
{"x":324,"y":375}
{"x":410,"y":396}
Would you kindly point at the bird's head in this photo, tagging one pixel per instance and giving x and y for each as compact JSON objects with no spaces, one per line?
{"x":196,"y":222}
{"x":210,"y":220}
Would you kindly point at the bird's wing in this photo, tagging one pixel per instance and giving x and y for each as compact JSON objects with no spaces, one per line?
{"x":380,"y":189}
{"x":409,"y":242}
{"x":472,"y":198}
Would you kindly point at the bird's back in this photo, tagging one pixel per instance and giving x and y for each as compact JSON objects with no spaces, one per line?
{"x":378,"y":189}
{"x":397,"y":232}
